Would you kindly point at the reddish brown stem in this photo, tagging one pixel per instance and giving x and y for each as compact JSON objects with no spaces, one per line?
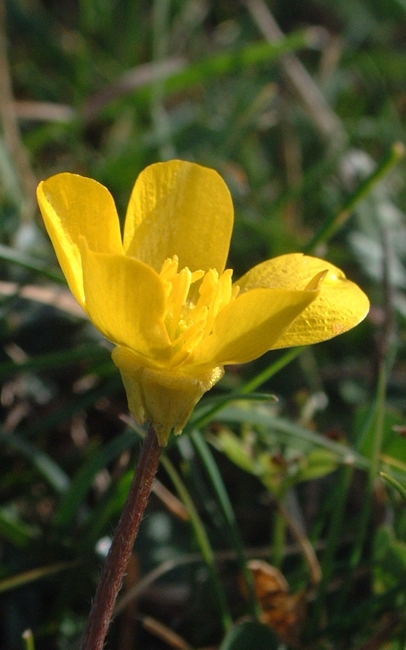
{"x":122,"y":544}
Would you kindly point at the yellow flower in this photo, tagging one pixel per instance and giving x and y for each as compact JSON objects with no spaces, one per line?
{"x":161,"y":295}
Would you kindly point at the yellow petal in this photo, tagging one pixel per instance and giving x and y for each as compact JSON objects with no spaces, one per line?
{"x":339,"y":306}
{"x":125,"y":300}
{"x":179,"y":208}
{"x":294,"y":271}
{"x":251,"y":325}
{"x":74,"y":206}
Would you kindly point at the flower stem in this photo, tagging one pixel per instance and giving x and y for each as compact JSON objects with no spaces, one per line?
{"x":122,"y":544}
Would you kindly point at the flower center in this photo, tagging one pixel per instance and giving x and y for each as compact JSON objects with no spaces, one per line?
{"x":190,"y":313}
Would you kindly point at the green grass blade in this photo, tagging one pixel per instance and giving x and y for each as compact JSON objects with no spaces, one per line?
{"x":43,"y":463}
{"x":220,"y":491}
{"x":54,"y":359}
{"x":26,"y":577}
{"x":394,"y":155}
{"x":83,"y":480}
{"x":9,"y":254}
{"x":400,"y":488}
{"x":14,"y":530}
{"x":229,"y":62}
{"x":301,"y":435}
{"x":201,"y":419}
{"x":365,"y":514}
{"x":201,"y":539}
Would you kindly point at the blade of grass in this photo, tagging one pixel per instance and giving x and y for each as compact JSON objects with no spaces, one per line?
{"x":229,"y":62}
{"x":83,"y":480}
{"x":109,"y":387}
{"x":400,"y":488}
{"x":338,"y":500}
{"x":10,"y":126}
{"x":8,"y":254}
{"x":108,"y":506}
{"x":54,"y":359}
{"x":201,"y":539}
{"x":44,"y":464}
{"x":177,"y":75}
{"x":160,"y":118}
{"x":337,"y":221}
{"x":13,"y":529}
{"x":220,"y":491}
{"x":271,"y":370}
{"x":26,"y":577}
{"x":203,"y":419}
{"x":278,"y":533}
{"x":365,"y":514}
{"x":302,"y":435}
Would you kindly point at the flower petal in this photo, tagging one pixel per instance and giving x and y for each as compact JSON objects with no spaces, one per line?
{"x":179,"y":208}
{"x":74,"y":206}
{"x":125,"y":300}
{"x":339,"y":306}
{"x":251,"y":325}
{"x":293,"y":271}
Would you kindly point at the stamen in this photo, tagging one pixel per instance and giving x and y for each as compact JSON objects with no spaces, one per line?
{"x":169,"y":268}
{"x":188,"y":322}
{"x":180,"y":291}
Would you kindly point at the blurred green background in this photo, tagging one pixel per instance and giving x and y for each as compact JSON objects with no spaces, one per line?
{"x":301,"y":107}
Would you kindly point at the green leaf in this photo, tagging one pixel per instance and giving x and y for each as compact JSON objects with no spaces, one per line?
{"x":43,"y":463}
{"x":9,"y":254}
{"x":233,"y":447}
{"x":400,"y":488}
{"x":316,"y":464}
{"x":294,"y":435}
{"x":225,"y":504}
{"x":13,"y":529}
{"x":83,"y":480}
{"x":55,"y":359}
{"x":26,"y":577}
{"x":250,"y":635}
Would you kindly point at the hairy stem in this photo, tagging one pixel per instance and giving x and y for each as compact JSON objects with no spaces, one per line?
{"x":122,"y":544}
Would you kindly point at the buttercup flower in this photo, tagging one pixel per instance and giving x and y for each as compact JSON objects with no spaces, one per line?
{"x":161,"y":295}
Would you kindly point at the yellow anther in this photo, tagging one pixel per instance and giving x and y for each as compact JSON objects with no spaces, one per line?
{"x":189,"y":318}
{"x":169,"y":268}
